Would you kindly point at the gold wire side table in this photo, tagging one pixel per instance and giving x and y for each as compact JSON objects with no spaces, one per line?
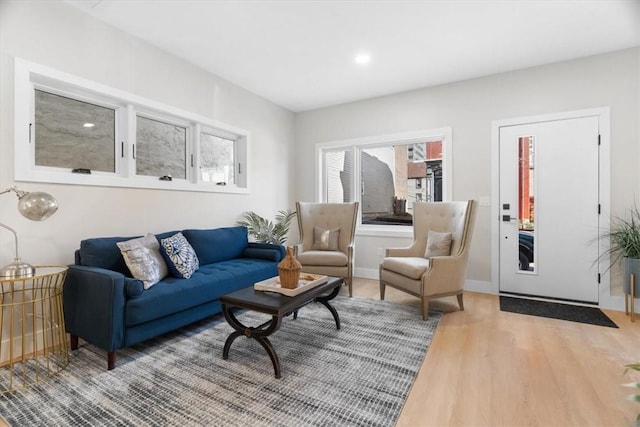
{"x":33,"y":341}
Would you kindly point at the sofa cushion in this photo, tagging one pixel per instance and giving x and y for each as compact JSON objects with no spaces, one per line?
{"x":219,"y":244}
{"x":172,"y":295}
{"x":179,"y":256}
{"x":133,"y":287}
{"x":412,"y":267}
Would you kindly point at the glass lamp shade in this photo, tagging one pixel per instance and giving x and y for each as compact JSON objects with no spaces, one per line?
{"x":37,"y":206}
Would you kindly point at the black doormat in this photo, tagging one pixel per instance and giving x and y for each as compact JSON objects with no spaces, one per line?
{"x":553,"y":310}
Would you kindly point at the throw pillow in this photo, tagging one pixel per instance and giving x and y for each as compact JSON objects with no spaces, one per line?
{"x":142,"y":256}
{"x":325,"y":240}
{"x":179,"y":255}
{"x":438,"y":244}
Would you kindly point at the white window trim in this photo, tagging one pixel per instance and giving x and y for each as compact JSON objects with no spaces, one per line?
{"x":445,"y":134}
{"x":29,"y":75}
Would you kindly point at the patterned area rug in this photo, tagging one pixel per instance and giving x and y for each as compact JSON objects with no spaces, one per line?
{"x":357,"y":376}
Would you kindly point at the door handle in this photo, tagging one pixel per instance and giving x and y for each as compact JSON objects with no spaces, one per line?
{"x":507,"y":218}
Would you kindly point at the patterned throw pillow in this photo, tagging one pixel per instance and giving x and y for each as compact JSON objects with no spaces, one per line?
{"x":438,"y":244}
{"x":179,"y":255}
{"x":142,"y":256}
{"x":325,"y":240}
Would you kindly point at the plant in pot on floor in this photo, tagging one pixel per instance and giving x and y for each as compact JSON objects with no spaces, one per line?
{"x":624,"y":238}
{"x":266,"y":231}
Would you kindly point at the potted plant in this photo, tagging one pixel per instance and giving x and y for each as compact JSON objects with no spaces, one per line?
{"x":624,"y":237}
{"x":636,"y":385}
{"x":266,"y":231}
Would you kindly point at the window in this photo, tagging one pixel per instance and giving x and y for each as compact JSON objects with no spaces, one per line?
{"x":73,"y":131}
{"x":217,"y":156}
{"x":338,"y":176}
{"x":161,"y":149}
{"x":391,"y":174}
{"x":73,"y":134}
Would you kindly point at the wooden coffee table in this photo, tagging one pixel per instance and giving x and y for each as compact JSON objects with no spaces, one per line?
{"x":276,"y":305}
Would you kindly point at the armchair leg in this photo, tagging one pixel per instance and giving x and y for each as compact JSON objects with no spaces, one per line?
{"x":425,"y":308}
{"x":460,"y":302}
{"x":382,"y":288}
{"x":350,"y":285}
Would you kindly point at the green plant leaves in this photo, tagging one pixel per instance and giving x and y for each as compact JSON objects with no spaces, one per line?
{"x":624,"y":237}
{"x":266,"y":231}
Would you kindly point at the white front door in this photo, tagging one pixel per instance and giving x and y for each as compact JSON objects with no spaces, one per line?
{"x":549,"y":209}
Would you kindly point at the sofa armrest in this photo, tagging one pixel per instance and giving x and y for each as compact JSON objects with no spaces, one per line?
{"x":266,"y":251}
{"x":94,"y":305}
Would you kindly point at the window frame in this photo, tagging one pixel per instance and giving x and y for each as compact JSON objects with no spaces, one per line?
{"x":445,"y":134}
{"x":29,"y":76}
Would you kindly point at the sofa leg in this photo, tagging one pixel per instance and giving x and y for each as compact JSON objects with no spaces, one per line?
{"x":382,"y":289}
{"x":111,"y":360}
{"x":425,"y":308}
{"x":73,"y":341}
{"x":460,"y":302}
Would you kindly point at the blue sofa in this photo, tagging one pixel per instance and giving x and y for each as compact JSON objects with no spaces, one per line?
{"x":108,"y":308}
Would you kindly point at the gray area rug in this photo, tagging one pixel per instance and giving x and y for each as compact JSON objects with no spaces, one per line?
{"x":357,"y":376}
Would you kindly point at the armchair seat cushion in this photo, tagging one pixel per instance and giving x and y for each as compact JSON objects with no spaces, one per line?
{"x":332,"y":258}
{"x":412,"y":267}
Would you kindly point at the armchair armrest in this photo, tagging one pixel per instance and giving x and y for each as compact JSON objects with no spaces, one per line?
{"x":94,"y":305}
{"x":445,"y":274}
{"x":403,"y":252}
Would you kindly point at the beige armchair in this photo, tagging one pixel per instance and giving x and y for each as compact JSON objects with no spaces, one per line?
{"x":327,"y":232}
{"x":409,"y":269}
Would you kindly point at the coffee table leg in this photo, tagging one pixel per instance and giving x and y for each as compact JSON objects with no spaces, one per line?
{"x":266,"y":344}
{"x":259,"y":333}
{"x":324,"y":300}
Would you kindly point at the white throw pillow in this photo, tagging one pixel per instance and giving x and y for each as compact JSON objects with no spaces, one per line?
{"x":438,"y":244}
{"x":142,"y":256}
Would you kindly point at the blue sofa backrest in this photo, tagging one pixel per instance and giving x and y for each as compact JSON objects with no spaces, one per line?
{"x":103,"y":252}
{"x":218,"y":244}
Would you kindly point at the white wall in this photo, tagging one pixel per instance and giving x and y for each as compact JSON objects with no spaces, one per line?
{"x":54,"y":34}
{"x":469,"y":107}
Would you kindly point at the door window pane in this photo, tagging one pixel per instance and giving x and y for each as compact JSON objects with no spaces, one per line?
{"x":73,"y":134}
{"x":160,"y":148}
{"x":526,"y":204}
{"x":217,"y":160}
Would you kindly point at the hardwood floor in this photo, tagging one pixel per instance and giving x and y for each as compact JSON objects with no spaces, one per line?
{"x":491,"y":368}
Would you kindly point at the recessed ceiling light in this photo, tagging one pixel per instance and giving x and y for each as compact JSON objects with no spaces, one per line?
{"x":362,"y":58}
{"x":88,"y":125}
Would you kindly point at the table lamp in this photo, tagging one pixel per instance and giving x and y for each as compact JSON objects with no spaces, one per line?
{"x":35,"y":206}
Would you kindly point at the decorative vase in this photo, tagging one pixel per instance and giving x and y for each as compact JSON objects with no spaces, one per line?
{"x":289,"y":270}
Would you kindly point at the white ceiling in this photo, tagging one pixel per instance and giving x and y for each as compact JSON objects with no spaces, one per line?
{"x":300,"y":54}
